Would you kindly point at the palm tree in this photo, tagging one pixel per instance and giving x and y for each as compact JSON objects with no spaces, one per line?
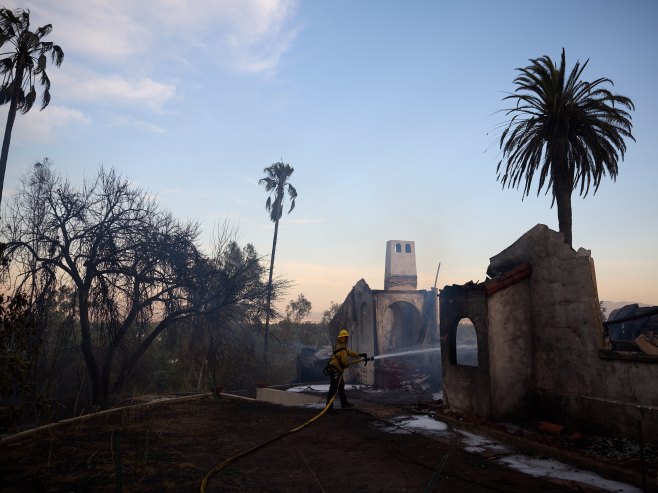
{"x":569,"y":130}
{"x":276,"y":184}
{"x":20,"y":68}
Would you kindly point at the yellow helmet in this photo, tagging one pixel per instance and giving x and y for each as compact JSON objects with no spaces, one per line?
{"x":343,"y":333}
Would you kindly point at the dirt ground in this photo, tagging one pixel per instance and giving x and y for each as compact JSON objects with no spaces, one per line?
{"x":170,"y":446}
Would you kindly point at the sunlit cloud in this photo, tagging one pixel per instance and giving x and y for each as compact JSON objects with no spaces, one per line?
{"x":81,"y":84}
{"x":116,"y":88}
{"x":42,"y":126}
{"x":94,"y":28}
{"x":261,"y":51}
{"x":248,"y":36}
{"x":113,"y":50}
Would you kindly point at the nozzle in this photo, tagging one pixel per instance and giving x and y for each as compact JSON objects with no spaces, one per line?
{"x":372,"y":358}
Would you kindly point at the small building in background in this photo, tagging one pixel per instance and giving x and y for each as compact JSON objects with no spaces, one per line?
{"x":395,"y":319}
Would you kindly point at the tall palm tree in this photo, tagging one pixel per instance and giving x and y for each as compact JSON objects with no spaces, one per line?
{"x":276,"y":184}
{"x":569,"y":130}
{"x":21,"y":67}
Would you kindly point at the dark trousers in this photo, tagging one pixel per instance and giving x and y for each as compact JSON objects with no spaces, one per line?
{"x":334,"y":386}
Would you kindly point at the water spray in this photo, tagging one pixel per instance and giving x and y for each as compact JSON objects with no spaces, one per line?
{"x":407,"y":353}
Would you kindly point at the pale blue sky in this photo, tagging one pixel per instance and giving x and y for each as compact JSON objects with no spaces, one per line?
{"x":386,"y":109}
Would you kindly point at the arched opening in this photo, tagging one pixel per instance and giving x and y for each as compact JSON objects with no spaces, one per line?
{"x":398,"y":247}
{"x":399,"y":332}
{"x":466,"y":343}
{"x":401,"y":327}
{"x":407,"y":248}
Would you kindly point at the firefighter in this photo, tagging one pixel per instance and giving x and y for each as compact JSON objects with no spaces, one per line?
{"x":337,"y":365}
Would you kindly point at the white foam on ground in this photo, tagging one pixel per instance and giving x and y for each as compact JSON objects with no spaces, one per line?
{"x":422,"y":423}
{"x":476,"y":444}
{"x":549,"y":468}
{"x":315,"y":406}
{"x":532,"y":466}
{"x":395,"y":430}
{"x":542,"y":468}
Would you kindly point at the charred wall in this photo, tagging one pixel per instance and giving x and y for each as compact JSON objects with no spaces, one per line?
{"x":388,"y":321}
{"x":466,"y":389}
{"x":357,"y":315}
{"x":541,"y":348}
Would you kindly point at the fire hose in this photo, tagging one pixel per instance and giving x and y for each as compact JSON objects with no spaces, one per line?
{"x":222,"y":465}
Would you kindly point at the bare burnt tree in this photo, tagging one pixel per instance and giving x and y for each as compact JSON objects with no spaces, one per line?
{"x":135,"y":269}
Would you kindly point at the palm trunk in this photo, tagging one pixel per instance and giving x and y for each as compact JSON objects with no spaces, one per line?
{"x":269,"y":293}
{"x":563,"y":187}
{"x":11,"y":117}
{"x":564,"y":215}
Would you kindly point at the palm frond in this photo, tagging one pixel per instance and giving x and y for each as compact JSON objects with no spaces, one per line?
{"x":548,"y":104}
{"x":276,"y":184}
{"x":29,"y":51}
{"x":44,"y":30}
{"x":5,"y":94}
{"x":566,"y":132}
{"x":41,"y":64}
{"x":57,"y":55}
{"x":45,"y":97}
{"x":6,"y":65}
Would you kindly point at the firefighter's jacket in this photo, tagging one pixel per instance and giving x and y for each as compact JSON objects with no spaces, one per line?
{"x":339,"y":358}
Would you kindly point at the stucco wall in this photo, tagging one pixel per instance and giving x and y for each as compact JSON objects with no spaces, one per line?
{"x":570,"y":382}
{"x":356,"y":314}
{"x":564,"y":307}
{"x":541,"y":349}
{"x":368,"y":316}
{"x":511,"y":350}
{"x":466,"y":389}
{"x":364,"y":339}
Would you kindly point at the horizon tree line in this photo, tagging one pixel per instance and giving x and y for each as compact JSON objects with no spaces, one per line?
{"x":133,"y":270}
{"x":102,"y":267}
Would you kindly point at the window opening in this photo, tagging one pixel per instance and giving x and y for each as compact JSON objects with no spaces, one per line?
{"x":466,"y":343}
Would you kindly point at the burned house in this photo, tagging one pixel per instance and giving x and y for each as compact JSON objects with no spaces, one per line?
{"x":633,"y":328}
{"x":397,"y":318}
{"x":542,"y":349}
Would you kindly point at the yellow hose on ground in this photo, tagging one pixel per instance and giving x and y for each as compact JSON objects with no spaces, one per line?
{"x":221,"y":466}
